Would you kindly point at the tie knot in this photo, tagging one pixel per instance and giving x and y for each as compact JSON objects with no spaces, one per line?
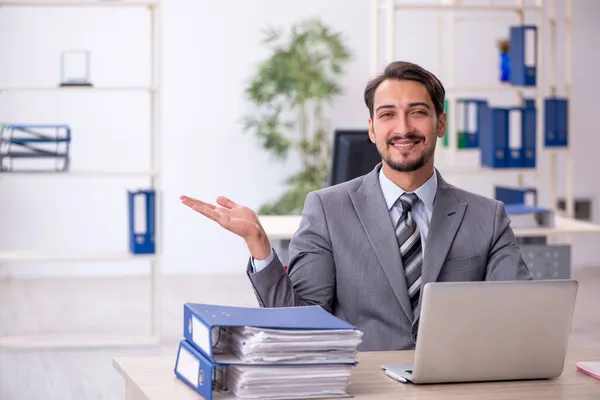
{"x":408,"y":200}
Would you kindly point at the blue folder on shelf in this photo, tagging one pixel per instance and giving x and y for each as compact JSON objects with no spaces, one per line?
{"x":469,"y":122}
{"x":229,"y":381}
{"x":528,"y":135}
{"x":556,"y":122}
{"x":522,"y":136}
{"x":511,"y":195}
{"x":142,"y":221}
{"x":209,"y":328}
{"x":523,"y":55}
{"x":493,"y":140}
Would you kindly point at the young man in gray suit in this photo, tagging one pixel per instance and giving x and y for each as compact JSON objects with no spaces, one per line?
{"x":365,"y":248}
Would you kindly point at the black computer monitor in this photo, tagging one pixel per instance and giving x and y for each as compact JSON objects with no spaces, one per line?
{"x":353,"y":155}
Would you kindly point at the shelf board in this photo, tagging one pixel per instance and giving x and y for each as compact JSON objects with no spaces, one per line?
{"x":468,"y":170}
{"x":491,"y":88}
{"x":81,"y":174}
{"x":79,"y":3}
{"x":399,"y":5}
{"x":48,"y":256}
{"x":564,"y":225}
{"x":284,"y":226}
{"x":71,"y":341}
{"x":79,"y":89}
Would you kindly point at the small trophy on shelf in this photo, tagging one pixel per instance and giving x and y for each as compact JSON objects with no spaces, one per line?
{"x":75,"y":68}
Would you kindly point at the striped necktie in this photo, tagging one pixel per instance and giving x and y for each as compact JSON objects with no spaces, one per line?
{"x":409,"y":240}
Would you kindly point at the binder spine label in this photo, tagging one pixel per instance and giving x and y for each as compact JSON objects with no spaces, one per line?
{"x":201,"y":336}
{"x":472,"y":125}
{"x":530,"y":199}
{"x":188,"y":367}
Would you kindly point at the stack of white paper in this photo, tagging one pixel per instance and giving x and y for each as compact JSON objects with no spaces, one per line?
{"x":286,"y":364}
{"x":259,"y":345}
{"x":288,"y":382}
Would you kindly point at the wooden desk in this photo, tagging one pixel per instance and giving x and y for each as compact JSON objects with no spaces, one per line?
{"x":148,"y":378}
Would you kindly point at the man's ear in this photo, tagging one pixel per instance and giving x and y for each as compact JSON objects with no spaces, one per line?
{"x":441,"y":128}
{"x":371,"y":131}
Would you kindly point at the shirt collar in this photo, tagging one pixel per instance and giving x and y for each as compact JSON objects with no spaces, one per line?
{"x":391,"y":192}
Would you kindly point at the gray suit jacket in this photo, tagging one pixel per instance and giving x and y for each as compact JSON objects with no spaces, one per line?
{"x":345,"y":257}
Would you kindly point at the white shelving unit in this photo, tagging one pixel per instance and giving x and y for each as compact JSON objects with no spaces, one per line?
{"x":545,"y":13}
{"x":282,"y":228}
{"x":154,"y":175}
{"x":67,"y":89}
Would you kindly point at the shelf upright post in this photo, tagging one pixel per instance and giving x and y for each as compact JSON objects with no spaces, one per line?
{"x":569,"y":200}
{"x":553,"y":90}
{"x":454,"y":112}
{"x":391,"y":30}
{"x":156,"y":162}
{"x":374,"y":36}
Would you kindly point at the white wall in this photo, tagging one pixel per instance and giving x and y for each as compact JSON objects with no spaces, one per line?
{"x":208,"y":54}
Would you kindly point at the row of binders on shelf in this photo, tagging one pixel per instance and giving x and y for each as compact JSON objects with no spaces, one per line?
{"x":34,"y":147}
{"x":522,"y":207}
{"x":46,"y":148}
{"x":266,"y":353}
{"x":506,"y":136}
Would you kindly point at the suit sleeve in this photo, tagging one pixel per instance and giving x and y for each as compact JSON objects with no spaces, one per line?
{"x":505,"y":261}
{"x":310,"y":279}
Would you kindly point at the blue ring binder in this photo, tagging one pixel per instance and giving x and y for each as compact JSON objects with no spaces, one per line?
{"x":142,"y":222}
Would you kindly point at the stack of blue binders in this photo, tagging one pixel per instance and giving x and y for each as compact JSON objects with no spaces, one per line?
{"x":496,"y":131}
{"x":266,"y":353}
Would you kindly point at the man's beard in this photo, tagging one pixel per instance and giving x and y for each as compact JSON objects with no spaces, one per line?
{"x":408,"y":166}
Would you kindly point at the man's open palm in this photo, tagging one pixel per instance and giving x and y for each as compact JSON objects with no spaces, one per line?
{"x":236,"y":218}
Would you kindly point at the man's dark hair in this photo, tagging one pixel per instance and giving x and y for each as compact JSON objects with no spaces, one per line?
{"x":403,"y":70}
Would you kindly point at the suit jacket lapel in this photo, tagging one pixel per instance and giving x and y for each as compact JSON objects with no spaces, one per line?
{"x":371,"y":208}
{"x":447,"y":215}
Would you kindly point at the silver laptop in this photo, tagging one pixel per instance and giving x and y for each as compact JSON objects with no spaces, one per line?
{"x":491,"y":331}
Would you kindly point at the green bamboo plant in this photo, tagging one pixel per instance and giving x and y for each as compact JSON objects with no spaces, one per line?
{"x":289,"y":92}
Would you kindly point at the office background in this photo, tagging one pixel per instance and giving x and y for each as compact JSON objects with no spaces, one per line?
{"x":209,"y":50}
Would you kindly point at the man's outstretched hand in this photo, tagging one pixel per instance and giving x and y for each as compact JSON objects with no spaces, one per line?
{"x":237,"y":219}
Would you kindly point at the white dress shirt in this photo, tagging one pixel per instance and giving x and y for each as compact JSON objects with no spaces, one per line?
{"x":391,"y":192}
{"x":422,"y":209}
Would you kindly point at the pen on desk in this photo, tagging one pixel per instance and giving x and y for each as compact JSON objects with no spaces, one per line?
{"x":395,"y":377}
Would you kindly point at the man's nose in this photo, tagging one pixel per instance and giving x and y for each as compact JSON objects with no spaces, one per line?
{"x":402,"y":125}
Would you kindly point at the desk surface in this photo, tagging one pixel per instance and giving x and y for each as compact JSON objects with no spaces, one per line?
{"x":152,"y":378}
